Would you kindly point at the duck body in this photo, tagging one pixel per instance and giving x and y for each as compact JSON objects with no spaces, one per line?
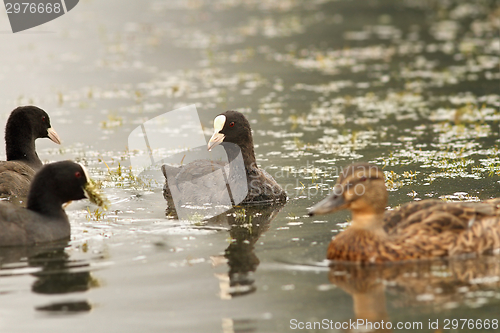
{"x":419,"y":230}
{"x":44,"y":219}
{"x":206,"y":181}
{"x":24,"y":125}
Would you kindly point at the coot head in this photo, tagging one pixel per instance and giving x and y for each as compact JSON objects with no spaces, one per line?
{"x":60,"y":182}
{"x":30,"y":120}
{"x":231,"y":126}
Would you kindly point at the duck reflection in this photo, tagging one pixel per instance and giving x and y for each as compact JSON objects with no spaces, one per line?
{"x":367,"y":290}
{"x":56,"y":273}
{"x":246,"y":225}
{"x":440,"y":284}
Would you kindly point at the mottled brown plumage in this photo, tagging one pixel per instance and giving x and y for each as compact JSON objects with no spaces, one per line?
{"x":418,"y":230}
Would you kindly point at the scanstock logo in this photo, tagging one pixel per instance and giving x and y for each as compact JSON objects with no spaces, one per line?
{"x":26,"y":14}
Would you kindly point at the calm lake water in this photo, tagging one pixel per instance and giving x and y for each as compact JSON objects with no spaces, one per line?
{"x":412,"y":86}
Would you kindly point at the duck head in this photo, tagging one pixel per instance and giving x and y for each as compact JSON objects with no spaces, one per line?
{"x":361,"y":189}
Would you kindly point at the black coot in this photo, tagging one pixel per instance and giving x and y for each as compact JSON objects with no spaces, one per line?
{"x":229,"y":127}
{"x":44,"y":219}
{"x":24,"y":126}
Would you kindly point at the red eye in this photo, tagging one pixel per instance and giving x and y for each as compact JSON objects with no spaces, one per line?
{"x":231,"y":124}
{"x":78,"y":174}
{"x":43,"y":118}
{"x":362,"y":179}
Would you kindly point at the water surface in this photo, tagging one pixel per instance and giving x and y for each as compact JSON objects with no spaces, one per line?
{"x":409,"y":85}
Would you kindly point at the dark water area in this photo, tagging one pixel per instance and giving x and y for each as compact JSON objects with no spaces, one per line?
{"x":412,"y":86}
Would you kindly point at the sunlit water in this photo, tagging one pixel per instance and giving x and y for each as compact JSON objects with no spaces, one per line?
{"x":412,"y":86}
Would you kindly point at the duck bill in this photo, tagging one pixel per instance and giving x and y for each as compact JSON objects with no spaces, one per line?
{"x":330,"y":204}
{"x":54,"y":136}
{"x":215,"y":140}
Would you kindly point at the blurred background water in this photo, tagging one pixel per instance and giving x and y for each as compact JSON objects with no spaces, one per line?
{"x":412,"y":86}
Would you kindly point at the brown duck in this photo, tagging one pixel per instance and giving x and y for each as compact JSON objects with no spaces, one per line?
{"x":419,"y":230}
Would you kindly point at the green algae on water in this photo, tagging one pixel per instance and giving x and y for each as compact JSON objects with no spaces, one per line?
{"x":94,"y":194}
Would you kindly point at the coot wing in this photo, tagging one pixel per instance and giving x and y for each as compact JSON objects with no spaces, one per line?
{"x":15,"y":178}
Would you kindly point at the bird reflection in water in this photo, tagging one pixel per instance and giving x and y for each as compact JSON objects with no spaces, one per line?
{"x":56,"y":273}
{"x":440,"y":284}
{"x":246,"y":225}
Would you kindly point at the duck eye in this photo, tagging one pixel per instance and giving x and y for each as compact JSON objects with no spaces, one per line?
{"x":362,"y":179}
{"x":78,"y":174}
{"x":231,"y":124}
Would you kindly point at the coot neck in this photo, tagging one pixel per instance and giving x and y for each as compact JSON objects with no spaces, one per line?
{"x":45,"y":202}
{"x":247,"y":152}
{"x":20,"y":145}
